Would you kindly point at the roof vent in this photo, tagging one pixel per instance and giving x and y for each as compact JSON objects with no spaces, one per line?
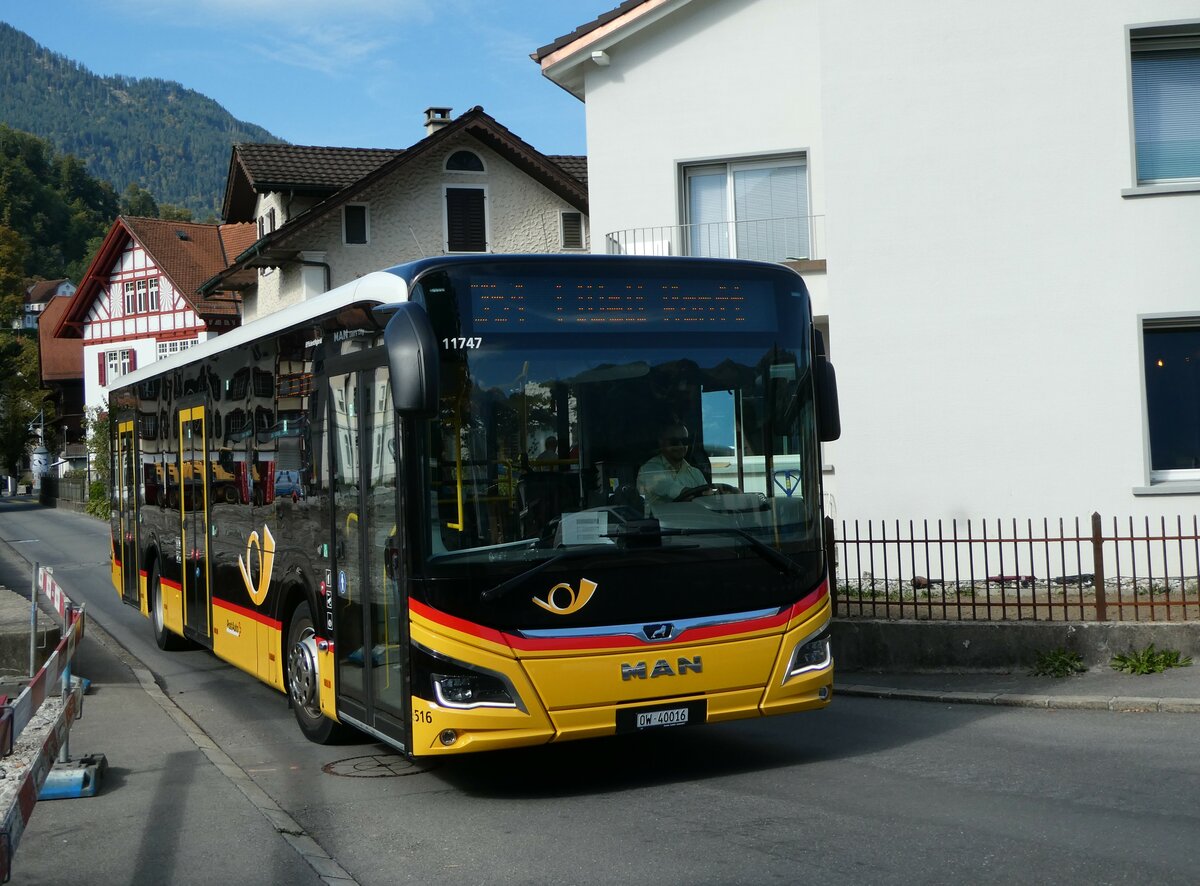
{"x":181,"y":234}
{"x":435,"y":119}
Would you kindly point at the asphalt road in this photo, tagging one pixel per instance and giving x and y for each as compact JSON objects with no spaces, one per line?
{"x":868,"y":791}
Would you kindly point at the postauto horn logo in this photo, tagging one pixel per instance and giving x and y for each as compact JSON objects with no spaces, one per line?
{"x":568,"y":601}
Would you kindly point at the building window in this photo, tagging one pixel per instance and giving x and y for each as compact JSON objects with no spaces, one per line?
{"x":466,"y":220}
{"x":1165,"y":70}
{"x":153,"y":293}
{"x":756,"y":209}
{"x":1171,"y":367}
{"x":571,"y":229}
{"x":140,"y":286}
{"x":167,"y":348}
{"x":356,"y":224}
{"x":114,"y":364}
{"x":464,"y":161}
{"x":129,"y":298}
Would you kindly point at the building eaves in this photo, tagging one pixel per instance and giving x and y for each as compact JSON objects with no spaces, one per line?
{"x":566,"y":60}
{"x":297,"y":169}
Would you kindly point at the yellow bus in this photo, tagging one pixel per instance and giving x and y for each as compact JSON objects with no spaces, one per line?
{"x":484,"y":502}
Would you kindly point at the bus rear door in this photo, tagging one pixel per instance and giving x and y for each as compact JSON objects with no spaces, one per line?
{"x":127,"y":512}
{"x":194,"y":488}
{"x":371,"y":615}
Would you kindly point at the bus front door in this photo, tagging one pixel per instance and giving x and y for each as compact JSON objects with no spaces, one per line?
{"x":193,"y":509}
{"x":127,"y":513}
{"x":371,"y":620}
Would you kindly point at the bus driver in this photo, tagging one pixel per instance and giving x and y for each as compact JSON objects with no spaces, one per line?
{"x":667,"y":477}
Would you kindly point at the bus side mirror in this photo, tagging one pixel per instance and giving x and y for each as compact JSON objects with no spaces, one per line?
{"x":829,"y":416}
{"x":412,"y":360}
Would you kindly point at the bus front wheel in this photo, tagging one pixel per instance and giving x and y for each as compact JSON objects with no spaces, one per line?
{"x":303,"y":679}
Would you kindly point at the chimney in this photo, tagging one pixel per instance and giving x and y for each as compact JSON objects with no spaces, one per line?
{"x":435,"y":119}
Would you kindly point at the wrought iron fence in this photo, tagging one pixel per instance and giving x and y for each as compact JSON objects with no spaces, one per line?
{"x":1126,"y":569}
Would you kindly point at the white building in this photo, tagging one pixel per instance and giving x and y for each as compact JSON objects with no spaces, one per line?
{"x":328,"y":215}
{"x":998,"y":204}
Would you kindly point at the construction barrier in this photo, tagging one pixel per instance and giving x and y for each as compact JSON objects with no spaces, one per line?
{"x":34,"y":751}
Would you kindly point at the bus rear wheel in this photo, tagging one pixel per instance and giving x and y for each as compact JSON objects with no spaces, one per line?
{"x":167,"y":640}
{"x":303,"y":680}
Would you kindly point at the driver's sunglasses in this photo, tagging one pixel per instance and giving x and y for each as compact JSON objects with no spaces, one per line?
{"x":676,"y":441}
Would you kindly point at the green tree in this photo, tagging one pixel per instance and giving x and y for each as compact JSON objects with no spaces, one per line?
{"x":12,"y":274}
{"x":139,"y":202}
{"x":99,"y":448}
{"x":172,"y":212}
{"x":20,"y":398}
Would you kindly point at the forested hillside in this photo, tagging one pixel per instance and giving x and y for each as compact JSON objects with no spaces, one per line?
{"x":169,"y":140}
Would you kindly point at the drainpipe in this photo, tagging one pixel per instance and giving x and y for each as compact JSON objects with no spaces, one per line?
{"x":315,"y":260}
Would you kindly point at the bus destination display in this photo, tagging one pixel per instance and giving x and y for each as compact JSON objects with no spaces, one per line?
{"x":549,"y":305}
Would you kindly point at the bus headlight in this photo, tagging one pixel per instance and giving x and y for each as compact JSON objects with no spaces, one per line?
{"x":470,"y":691}
{"x":811,"y":654}
{"x":450,"y":683}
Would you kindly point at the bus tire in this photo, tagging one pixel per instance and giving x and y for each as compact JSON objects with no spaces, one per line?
{"x":303,"y":680}
{"x":167,"y":640}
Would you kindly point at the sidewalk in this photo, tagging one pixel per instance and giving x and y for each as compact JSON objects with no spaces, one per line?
{"x":171,"y":807}
{"x":1176,"y":691}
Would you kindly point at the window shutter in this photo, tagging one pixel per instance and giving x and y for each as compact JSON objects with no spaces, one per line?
{"x":132,"y":360}
{"x":466,"y":226}
{"x":103,"y":368}
{"x":572,"y":230}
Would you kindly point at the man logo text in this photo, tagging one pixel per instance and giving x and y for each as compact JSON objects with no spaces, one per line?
{"x":662,"y":668}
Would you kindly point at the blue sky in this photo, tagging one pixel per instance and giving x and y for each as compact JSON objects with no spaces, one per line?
{"x":352,"y":73}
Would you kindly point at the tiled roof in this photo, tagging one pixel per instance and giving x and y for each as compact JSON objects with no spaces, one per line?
{"x":308,"y":167}
{"x":43,"y":290}
{"x":190,"y":253}
{"x":585,"y":29}
{"x":61,"y":358}
{"x":574,"y":165}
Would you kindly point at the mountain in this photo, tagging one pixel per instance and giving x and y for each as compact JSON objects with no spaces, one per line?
{"x":172,"y":141}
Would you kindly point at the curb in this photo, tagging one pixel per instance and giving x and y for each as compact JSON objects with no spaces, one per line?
{"x":1116,"y":703}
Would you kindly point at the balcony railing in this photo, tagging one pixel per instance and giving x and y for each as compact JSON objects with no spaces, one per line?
{"x":797,"y":238}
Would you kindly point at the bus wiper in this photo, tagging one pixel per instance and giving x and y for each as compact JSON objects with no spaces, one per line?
{"x":517,"y":580}
{"x":764,"y":550}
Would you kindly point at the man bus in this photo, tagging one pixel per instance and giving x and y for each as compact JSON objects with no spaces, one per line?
{"x":344,"y":499}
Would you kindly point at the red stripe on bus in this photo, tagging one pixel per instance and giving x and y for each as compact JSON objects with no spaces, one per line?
{"x":248,"y":613}
{"x":458,"y":624}
{"x":610,"y":641}
{"x":173,"y":585}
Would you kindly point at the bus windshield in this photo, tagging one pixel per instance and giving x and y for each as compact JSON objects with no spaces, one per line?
{"x":597,"y":413}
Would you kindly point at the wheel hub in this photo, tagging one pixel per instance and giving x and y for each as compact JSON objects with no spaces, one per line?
{"x":302,"y":672}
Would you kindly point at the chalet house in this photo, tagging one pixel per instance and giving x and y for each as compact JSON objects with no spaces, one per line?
{"x":37,"y":298}
{"x":995,"y":207}
{"x":139,"y":299}
{"x":327,"y":215}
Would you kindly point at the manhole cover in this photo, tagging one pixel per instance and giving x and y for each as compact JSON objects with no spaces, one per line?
{"x":372,"y":766}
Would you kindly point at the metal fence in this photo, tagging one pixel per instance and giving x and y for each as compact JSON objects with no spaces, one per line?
{"x":1125,"y":569}
{"x":766,"y":239}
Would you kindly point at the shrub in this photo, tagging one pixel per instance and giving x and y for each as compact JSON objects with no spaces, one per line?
{"x":98,"y":504}
{"x":1058,"y":663}
{"x":1150,"y":660}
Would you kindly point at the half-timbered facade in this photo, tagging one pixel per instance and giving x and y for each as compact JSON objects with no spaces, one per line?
{"x":138,"y":300}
